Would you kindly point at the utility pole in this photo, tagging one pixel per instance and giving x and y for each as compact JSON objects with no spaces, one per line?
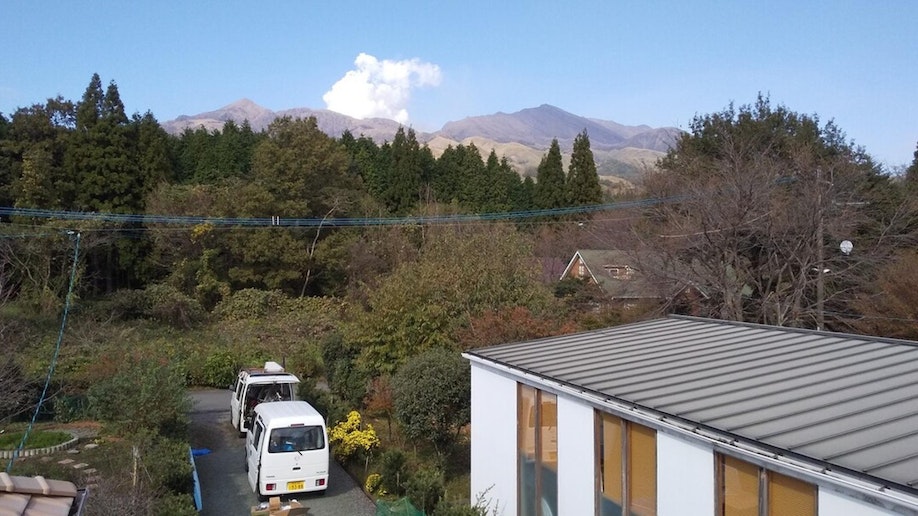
{"x":820,"y":255}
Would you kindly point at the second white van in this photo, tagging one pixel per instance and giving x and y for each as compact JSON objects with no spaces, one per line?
{"x":255,"y":385}
{"x":287,"y":449}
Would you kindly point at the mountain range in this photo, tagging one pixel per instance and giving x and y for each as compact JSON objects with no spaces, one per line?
{"x":522,"y":137}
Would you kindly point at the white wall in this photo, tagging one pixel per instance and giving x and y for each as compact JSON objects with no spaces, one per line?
{"x":576,"y":458}
{"x":832,"y":503}
{"x":685,"y":477}
{"x":493,"y":436}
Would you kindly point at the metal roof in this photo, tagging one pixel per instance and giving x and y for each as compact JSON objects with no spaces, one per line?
{"x":845,"y":400}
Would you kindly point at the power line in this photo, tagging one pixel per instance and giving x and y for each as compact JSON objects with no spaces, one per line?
{"x":312,"y":222}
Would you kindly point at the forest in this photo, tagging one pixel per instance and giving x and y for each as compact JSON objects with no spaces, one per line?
{"x":367,"y":267}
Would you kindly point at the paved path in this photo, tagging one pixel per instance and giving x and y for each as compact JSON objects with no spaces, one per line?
{"x":225,"y":489}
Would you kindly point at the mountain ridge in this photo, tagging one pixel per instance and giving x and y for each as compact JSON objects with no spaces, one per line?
{"x":524,"y":135}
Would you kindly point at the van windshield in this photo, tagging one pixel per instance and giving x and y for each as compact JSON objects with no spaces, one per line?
{"x":296,"y":438}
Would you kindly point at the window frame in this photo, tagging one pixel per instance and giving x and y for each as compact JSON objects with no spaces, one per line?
{"x":538,"y":447}
{"x":624,"y":452}
{"x":764,"y":479}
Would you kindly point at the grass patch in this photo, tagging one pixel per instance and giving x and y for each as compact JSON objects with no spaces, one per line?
{"x":37,"y":439}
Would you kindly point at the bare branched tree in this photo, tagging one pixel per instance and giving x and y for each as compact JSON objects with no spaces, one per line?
{"x":758,"y":200}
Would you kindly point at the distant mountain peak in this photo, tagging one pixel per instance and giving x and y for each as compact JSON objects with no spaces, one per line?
{"x":528,"y":130}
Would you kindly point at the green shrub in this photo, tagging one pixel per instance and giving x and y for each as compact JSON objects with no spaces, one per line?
{"x":345,"y":376}
{"x":168,"y":305}
{"x":394,"y":474}
{"x":219,"y":369}
{"x":425,"y":489}
{"x":175,"y":504}
{"x":144,"y":395}
{"x":69,"y":407}
{"x":433,"y":396}
{"x":249,"y":303}
{"x":124,"y":305}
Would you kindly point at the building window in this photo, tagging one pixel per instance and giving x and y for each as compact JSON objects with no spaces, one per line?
{"x":626,"y":456}
{"x":744,"y":489}
{"x":537,"y":445}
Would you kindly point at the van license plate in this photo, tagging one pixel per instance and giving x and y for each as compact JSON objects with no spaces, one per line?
{"x":294,"y":486}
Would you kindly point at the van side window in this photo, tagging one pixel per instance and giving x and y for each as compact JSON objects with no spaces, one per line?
{"x":239,"y":386}
{"x":256,"y":438}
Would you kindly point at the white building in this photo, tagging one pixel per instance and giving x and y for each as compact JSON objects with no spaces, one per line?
{"x":688,"y":416}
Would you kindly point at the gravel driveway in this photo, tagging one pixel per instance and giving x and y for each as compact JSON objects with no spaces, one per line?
{"x":225,"y":490}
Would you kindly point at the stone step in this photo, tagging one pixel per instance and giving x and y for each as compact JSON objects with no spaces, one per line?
{"x":80,"y":465}
{"x":64,"y":462}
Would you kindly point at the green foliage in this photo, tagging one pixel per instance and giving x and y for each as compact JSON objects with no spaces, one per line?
{"x":175,"y":504}
{"x":582,"y":181}
{"x":432,"y":396}
{"x":168,"y":305}
{"x":350,"y":438}
{"x":393,"y":466}
{"x":69,"y":407}
{"x":404,"y":167}
{"x":346,"y":378}
{"x":37,"y":439}
{"x":144,"y":394}
{"x":550,"y":190}
{"x":423,"y":305}
{"x":425,"y":489}
{"x":249,"y":303}
{"x":220,"y":369}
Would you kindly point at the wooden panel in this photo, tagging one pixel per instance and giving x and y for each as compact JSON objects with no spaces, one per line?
{"x":612,"y":458}
{"x":642,"y":470}
{"x":790,"y":497}
{"x":739,"y":488}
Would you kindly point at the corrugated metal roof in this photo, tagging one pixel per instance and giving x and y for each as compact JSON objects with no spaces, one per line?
{"x":846,"y":400}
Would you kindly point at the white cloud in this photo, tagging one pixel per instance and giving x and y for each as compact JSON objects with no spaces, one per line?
{"x":380,"y":88}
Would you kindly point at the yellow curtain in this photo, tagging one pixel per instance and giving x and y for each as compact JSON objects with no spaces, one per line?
{"x":740,"y":488}
{"x":642,"y":470}
{"x":790,"y":497}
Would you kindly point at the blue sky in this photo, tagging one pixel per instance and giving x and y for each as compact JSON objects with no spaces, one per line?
{"x":639,"y":62}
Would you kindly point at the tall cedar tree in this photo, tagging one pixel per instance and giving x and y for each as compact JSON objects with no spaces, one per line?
{"x":550,"y":192}
{"x":406,"y":169}
{"x":582,"y":180}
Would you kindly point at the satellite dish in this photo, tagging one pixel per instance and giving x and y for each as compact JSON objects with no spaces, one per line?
{"x":846,"y":247}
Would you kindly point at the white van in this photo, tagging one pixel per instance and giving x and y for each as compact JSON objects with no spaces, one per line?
{"x":256,"y":385}
{"x":286,"y":450}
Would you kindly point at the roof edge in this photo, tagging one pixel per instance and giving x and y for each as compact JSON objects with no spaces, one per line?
{"x":865,"y":487}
